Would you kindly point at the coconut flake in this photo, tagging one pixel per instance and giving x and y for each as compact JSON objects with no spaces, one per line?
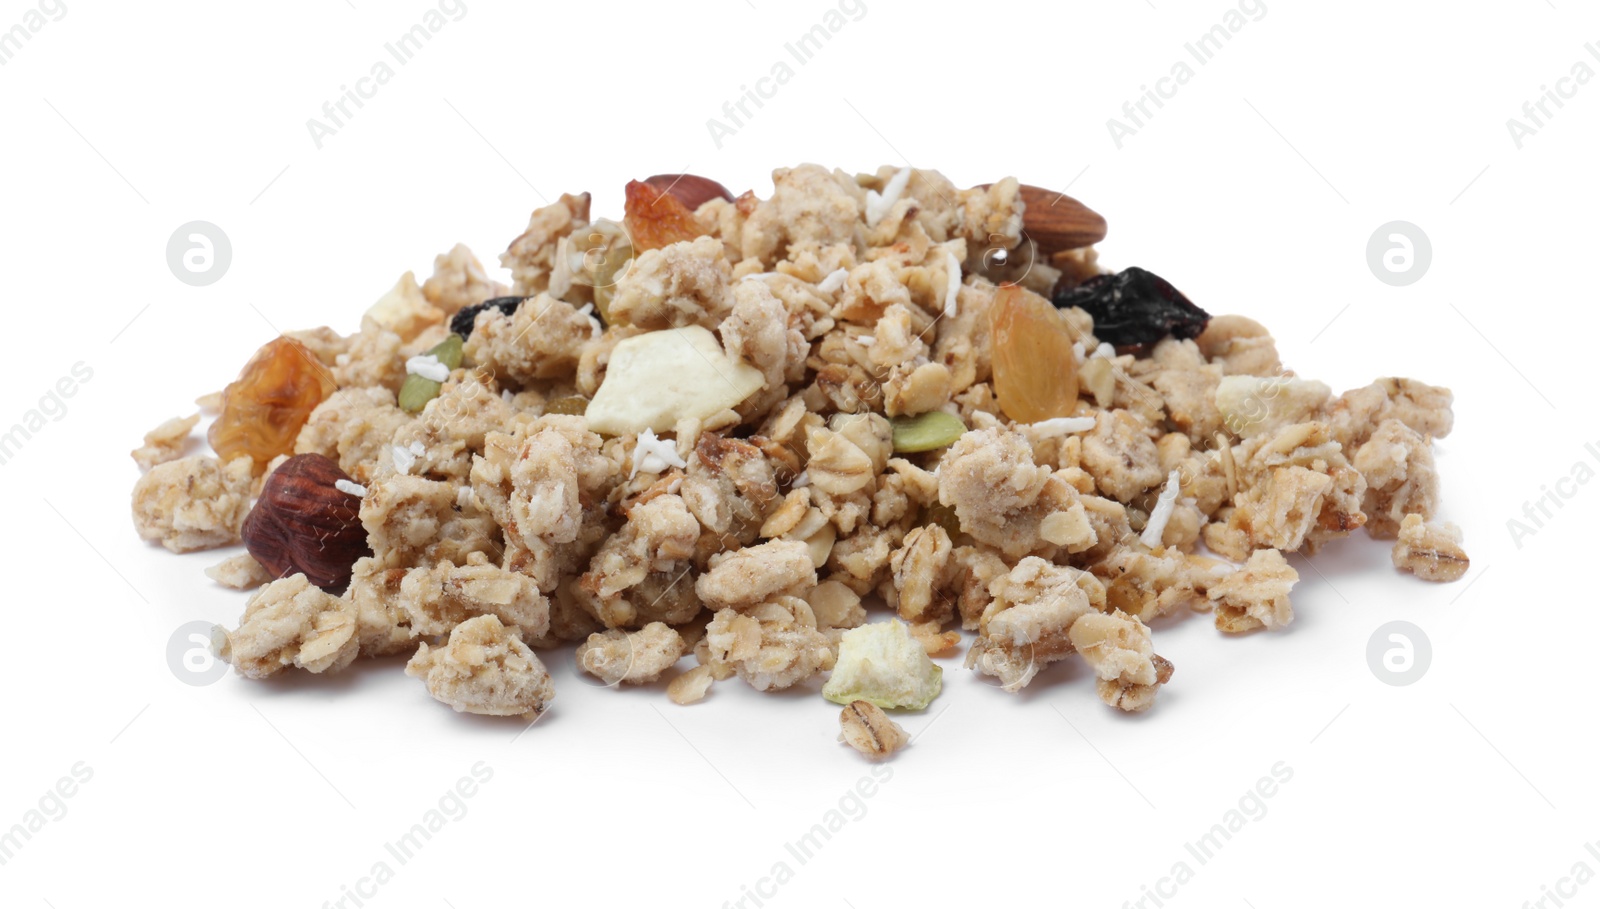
{"x":595,"y":328}
{"x":879,"y":205}
{"x":1077,"y":351}
{"x":761,"y":275}
{"x":953,"y":271}
{"x":653,"y":455}
{"x":352,"y":488}
{"x":428,"y":367}
{"x":801,"y":480}
{"x":1160,"y":514}
{"x":1104,"y":351}
{"x":1062,"y":425}
{"x":833,"y":281}
{"x":403,"y":459}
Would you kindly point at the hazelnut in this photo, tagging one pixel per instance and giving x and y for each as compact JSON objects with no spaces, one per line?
{"x":304,"y":523}
{"x":689,"y":189}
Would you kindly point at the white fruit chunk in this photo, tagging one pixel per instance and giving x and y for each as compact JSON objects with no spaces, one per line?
{"x":658,"y":378}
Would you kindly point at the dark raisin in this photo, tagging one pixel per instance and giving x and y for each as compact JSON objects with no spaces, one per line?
{"x":461,"y":322}
{"x":1134,"y":307}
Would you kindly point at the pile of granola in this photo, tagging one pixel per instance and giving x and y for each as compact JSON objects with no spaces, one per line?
{"x":738,"y":428}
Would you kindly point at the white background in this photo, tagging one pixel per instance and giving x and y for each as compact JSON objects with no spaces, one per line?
{"x":1255,"y":190}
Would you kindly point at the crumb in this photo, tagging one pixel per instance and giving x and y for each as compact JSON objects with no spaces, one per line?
{"x":240,"y":572}
{"x":1432,"y":552}
{"x":165,"y":442}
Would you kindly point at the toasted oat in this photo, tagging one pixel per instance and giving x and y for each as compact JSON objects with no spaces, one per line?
{"x":691,"y":685}
{"x":866,"y":728}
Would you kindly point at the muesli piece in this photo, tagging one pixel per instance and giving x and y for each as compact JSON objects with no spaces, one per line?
{"x":1397,"y":462}
{"x":1256,"y":595}
{"x":772,"y":645}
{"x":532,"y":255}
{"x":439,"y":598}
{"x":1432,"y":552}
{"x":1117,"y":646}
{"x":291,"y":623}
{"x":459,"y":280}
{"x":193,"y":503}
{"x":485,"y":669}
{"x":749,"y":577}
{"x":1027,"y":626}
{"x":632,"y":657}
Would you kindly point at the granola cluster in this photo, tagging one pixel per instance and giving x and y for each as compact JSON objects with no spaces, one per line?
{"x":723,"y":436}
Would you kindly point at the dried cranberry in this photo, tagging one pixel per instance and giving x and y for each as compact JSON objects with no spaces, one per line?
{"x":1134,"y":307}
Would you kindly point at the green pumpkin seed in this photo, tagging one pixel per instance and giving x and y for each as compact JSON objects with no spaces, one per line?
{"x":926,"y":432}
{"x":417,"y":390}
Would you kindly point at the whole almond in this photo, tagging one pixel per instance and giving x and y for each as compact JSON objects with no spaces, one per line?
{"x":689,"y":189}
{"x":304,"y":523}
{"x":1056,"y":221}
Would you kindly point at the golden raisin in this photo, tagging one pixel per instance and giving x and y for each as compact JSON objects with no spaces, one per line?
{"x":1035,"y":372}
{"x":264,"y":409}
{"x":656,"y":219}
{"x":571,"y":405}
{"x":944,"y":516}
